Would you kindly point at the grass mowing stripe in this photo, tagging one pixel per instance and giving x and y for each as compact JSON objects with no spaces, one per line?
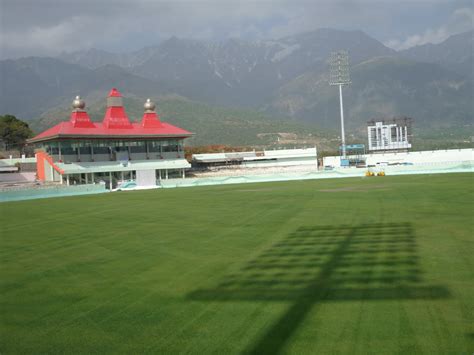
{"x":214,"y":269}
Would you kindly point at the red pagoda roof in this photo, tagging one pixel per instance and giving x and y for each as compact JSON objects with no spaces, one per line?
{"x":115,"y":124}
{"x":114,"y":93}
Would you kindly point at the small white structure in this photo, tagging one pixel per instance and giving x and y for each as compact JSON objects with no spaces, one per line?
{"x":422,"y":158}
{"x":384,"y":136}
{"x":258,"y":159}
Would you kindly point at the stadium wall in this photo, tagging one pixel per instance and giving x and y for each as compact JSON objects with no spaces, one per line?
{"x":50,"y":191}
{"x":265,"y":158}
{"x":415,"y":158}
{"x":440,"y":168}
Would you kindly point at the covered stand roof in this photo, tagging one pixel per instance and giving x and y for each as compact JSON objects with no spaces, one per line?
{"x":114,"y":125}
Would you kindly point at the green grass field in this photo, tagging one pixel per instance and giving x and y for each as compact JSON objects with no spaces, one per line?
{"x":363,"y":265}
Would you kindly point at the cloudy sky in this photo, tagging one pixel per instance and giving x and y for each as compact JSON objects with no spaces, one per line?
{"x":47,"y":27}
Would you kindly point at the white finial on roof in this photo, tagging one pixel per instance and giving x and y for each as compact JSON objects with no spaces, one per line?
{"x":149,"y":105}
{"x":78,"y":103}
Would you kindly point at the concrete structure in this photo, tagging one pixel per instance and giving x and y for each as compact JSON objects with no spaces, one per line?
{"x":260,"y":159}
{"x":115,"y":150}
{"x":429,"y":157}
{"x":389,"y":135}
{"x":11,"y":164}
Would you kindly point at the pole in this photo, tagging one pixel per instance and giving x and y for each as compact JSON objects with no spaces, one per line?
{"x":343,"y":137}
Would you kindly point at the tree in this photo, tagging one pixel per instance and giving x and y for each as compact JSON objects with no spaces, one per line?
{"x":14,"y":132}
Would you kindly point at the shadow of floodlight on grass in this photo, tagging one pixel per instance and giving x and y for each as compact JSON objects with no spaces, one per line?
{"x":317,"y":264}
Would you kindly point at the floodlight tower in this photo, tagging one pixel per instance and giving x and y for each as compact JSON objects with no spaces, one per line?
{"x":339,"y":75}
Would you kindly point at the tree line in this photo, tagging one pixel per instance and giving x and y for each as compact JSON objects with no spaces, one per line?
{"x":13,"y":133}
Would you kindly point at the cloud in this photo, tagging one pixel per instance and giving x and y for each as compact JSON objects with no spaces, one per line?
{"x":461,"y":20}
{"x":48,"y":27}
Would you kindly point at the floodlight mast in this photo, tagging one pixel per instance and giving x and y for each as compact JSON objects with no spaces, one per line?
{"x":339,"y":75}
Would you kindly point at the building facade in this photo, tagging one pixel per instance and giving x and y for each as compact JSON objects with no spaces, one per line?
{"x":114,"y":151}
{"x":389,"y":135}
{"x":257,"y":159}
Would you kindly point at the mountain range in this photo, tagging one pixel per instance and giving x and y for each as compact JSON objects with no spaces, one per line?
{"x":210,"y":124}
{"x":456,"y":53}
{"x":280,"y":78}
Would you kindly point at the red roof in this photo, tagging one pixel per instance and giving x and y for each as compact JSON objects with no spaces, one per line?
{"x":115,"y":117}
{"x":114,"y":93}
{"x":67,"y":130}
{"x":115,"y":125}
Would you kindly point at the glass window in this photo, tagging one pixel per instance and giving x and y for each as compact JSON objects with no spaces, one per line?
{"x":121,"y":149}
{"x":85,"y":150}
{"x":65,"y":144}
{"x":101,"y":150}
{"x":138,"y":149}
{"x":68,"y":151}
{"x":154,"y":146}
{"x":172,"y":146}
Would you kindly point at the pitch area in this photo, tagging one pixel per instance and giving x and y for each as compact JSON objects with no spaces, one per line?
{"x":369,"y":265}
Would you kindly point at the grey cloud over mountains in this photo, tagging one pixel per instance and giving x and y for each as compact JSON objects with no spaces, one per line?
{"x":48,"y":27}
{"x":461,"y":20}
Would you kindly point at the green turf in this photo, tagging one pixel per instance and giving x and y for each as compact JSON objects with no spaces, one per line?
{"x":363,"y":265}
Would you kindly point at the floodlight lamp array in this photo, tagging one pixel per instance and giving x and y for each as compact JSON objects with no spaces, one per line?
{"x":339,"y":68}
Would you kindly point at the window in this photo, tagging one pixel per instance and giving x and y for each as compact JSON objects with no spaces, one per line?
{"x":154,"y":146}
{"x":85,"y":150}
{"x":170,"y":146}
{"x":68,"y":151}
{"x":101,"y":150}
{"x":138,"y":147}
{"x":394,"y":133}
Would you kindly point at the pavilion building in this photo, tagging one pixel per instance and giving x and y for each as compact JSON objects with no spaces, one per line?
{"x":114,"y":151}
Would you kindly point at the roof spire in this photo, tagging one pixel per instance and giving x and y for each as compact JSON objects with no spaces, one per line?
{"x":78,"y":103}
{"x":114,"y":93}
{"x":150,"y":118}
{"x":149,"y":106}
{"x":79,"y":116}
{"x":115,"y":116}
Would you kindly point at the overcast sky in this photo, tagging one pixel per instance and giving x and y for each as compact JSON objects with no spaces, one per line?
{"x":47,"y":27}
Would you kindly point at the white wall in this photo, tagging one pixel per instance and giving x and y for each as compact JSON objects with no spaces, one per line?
{"x":291,"y":153}
{"x":332,"y":161}
{"x":423,"y":157}
{"x":146,"y":177}
{"x":252,"y":156}
{"x":18,"y":177}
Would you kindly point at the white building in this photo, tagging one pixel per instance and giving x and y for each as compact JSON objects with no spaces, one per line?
{"x":394,"y":135}
{"x":259,"y":159}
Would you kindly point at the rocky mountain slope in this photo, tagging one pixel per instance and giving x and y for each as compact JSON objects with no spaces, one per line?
{"x":211,"y":125}
{"x":381,"y":87}
{"x":456,"y":53}
{"x":282,"y":78}
{"x":235,"y":72}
